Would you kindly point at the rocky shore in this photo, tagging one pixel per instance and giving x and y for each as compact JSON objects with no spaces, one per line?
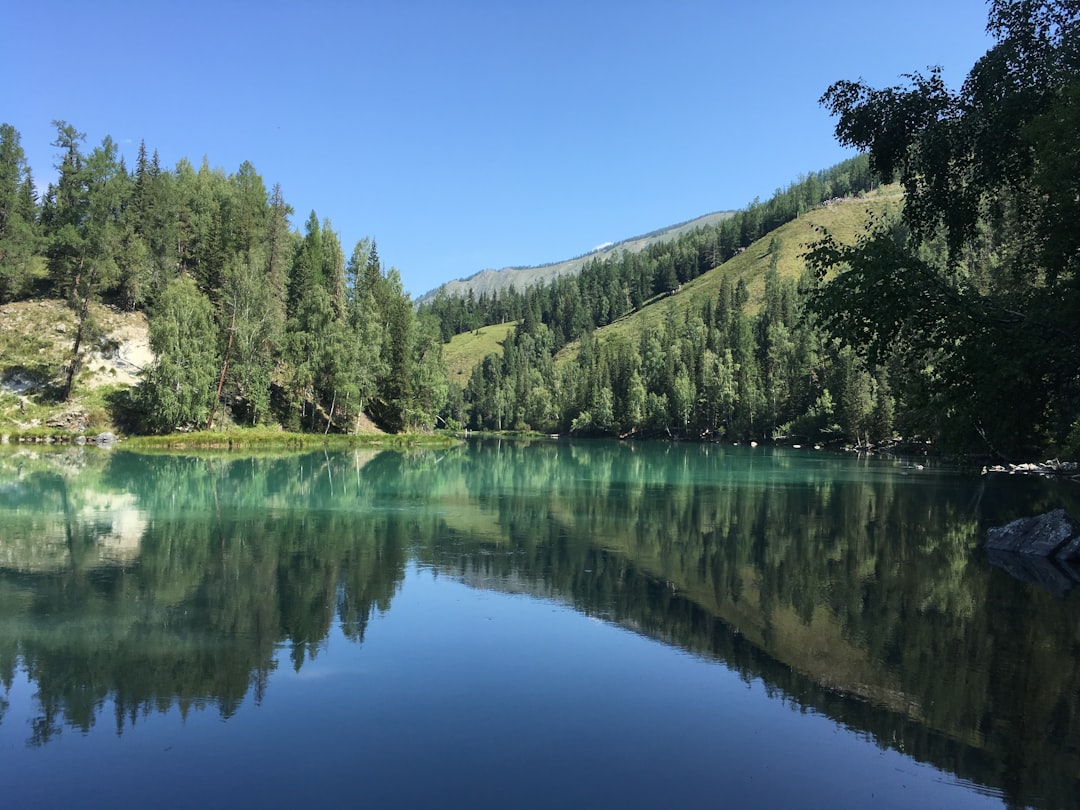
{"x":1051,"y":467}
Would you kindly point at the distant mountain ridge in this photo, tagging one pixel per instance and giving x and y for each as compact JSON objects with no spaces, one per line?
{"x":523,"y":277}
{"x":845,"y":219}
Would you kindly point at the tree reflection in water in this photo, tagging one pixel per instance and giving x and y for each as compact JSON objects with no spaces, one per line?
{"x":855,"y":588}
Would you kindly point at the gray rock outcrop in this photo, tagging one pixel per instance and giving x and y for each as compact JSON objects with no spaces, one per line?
{"x":1054,"y":534}
{"x":1042,"y":550}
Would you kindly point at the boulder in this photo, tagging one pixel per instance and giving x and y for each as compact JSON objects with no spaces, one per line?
{"x":1052,"y":576}
{"x":1054,"y":534}
{"x":105,"y":439}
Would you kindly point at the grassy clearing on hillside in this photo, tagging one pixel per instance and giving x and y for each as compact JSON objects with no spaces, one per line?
{"x":467,"y":349}
{"x":34,"y":339}
{"x":844,"y":220}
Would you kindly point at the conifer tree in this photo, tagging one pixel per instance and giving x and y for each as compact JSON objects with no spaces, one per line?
{"x":18,"y":216}
{"x":86,"y":227}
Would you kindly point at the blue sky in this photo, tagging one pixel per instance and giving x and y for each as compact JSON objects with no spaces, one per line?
{"x":466,"y":135}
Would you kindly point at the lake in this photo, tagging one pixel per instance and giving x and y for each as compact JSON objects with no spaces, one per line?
{"x":575,"y":624}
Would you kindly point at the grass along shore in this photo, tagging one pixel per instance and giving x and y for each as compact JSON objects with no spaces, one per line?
{"x":240,"y":439}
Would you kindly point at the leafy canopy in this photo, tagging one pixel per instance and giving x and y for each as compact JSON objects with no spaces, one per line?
{"x":977,"y":289}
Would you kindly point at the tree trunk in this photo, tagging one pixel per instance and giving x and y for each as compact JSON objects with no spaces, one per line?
{"x":330,"y":416}
{"x":84,"y":311}
{"x":224,"y":368}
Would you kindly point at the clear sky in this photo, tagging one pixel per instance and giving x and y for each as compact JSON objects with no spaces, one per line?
{"x":480,"y":133}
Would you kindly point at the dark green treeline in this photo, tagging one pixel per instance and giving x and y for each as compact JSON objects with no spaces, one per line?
{"x":250,"y":321}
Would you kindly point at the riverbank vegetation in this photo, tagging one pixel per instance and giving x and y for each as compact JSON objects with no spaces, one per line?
{"x":260,"y":438}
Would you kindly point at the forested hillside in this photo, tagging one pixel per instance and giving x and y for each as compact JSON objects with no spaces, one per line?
{"x":608,"y":288}
{"x":250,"y":322}
{"x":951,"y":318}
{"x":707,"y":336}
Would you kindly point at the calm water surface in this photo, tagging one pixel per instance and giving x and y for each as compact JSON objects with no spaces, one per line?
{"x":510,"y":625}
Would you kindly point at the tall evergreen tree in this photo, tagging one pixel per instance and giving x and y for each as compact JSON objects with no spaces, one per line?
{"x":86,"y":208}
{"x":332,"y":268}
{"x":18,"y":216}
{"x":365,"y":324}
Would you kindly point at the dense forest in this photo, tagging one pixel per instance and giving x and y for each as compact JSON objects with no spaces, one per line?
{"x":250,"y":321}
{"x":951,"y":319}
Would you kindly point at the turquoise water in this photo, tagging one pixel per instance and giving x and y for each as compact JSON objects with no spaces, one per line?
{"x":573,"y":624}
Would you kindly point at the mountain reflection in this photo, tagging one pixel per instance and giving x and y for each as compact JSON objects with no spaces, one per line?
{"x":854,"y":589}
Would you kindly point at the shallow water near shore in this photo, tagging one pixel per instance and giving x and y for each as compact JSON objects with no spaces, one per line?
{"x":513,"y":624}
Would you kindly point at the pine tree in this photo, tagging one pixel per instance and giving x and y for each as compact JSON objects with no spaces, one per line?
{"x":332,"y":269}
{"x":366,"y":327}
{"x":86,"y":229}
{"x":18,"y":216}
{"x":307,"y":266}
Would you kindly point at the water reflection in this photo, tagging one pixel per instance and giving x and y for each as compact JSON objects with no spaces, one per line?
{"x":856,"y":589}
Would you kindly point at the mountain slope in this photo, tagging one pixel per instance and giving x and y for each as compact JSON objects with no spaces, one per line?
{"x":523,"y":277}
{"x":845,"y":220}
{"x":467,"y":349}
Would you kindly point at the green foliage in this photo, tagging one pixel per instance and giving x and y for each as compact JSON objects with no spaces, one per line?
{"x":256,"y":321}
{"x":699,"y":368}
{"x":18,"y":217}
{"x":295,"y":332}
{"x":178,"y":388}
{"x":976,"y":294}
{"x":84,"y":217}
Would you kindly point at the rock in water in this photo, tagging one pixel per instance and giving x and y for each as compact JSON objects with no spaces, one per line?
{"x":1053,"y":534}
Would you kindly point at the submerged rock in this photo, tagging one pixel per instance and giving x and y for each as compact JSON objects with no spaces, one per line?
{"x":1041,"y":549}
{"x":1054,"y":534}
{"x":1057,"y":578}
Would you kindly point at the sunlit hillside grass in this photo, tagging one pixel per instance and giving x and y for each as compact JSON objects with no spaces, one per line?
{"x":36,"y":341}
{"x":467,"y":349}
{"x":844,"y":220}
